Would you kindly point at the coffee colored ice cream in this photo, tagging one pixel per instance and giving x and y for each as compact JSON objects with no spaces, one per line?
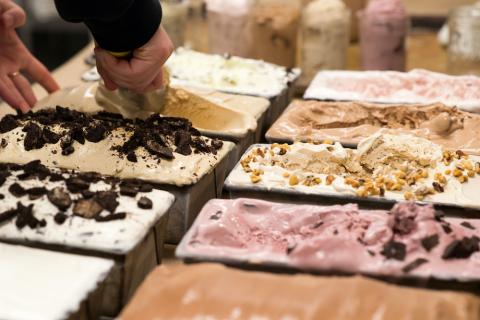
{"x":383,"y":32}
{"x":159,"y":149}
{"x":407,"y":241}
{"x":350,"y":122}
{"x":210,"y":291}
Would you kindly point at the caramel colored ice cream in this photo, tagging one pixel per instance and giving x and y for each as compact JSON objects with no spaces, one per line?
{"x":207,"y":112}
{"x":209,"y":291}
{"x":350,"y":122}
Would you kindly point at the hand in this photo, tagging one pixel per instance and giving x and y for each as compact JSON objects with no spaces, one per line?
{"x":143,"y":72}
{"x":14,"y":57}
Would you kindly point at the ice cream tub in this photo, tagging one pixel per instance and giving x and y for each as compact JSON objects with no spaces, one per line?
{"x":32,"y":279}
{"x":351,"y":122}
{"x":90,"y":215}
{"x":407,"y":244}
{"x":330,"y":173}
{"x":392,"y":87}
{"x":160,"y":151}
{"x":231,"y":74}
{"x":273,"y":296}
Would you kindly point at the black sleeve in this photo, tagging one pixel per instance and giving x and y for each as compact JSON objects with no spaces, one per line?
{"x":116,"y":25}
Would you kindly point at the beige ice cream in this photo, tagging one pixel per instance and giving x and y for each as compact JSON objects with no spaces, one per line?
{"x":199,"y":292}
{"x":394,"y":167}
{"x":209,"y":111}
{"x":24,"y":139}
{"x":350,"y":122}
{"x":325,"y":37}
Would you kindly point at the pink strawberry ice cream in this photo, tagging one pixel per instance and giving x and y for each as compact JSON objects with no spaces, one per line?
{"x":409,"y":240}
{"x":383,"y":31}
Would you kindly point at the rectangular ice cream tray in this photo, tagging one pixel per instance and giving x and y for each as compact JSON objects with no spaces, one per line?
{"x":129,"y":269}
{"x":78,"y":302}
{"x":278,"y":194}
{"x":190,"y":199}
{"x":189,"y":256}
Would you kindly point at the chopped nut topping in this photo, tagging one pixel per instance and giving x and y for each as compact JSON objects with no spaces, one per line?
{"x":409,"y":196}
{"x":327,"y":141}
{"x":330,"y":179}
{"x":286,"y":174}
{"x":255,"y":179}
{"x":457,"y":173}
{"x":462,"y":179}
{"x":293,"y":181}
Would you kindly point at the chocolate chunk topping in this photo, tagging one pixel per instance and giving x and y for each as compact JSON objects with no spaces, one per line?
{"x":216,"y":216}
{"x":145,"y":203}
{"x":87,"y":194}
{"x":467,"y":225}
{"x":77,"y":185}
{"x":17,"y":190}
{"x":108,"y":200}
{"x":111,"y":217}
{"x":49,"y":136}
{"x":33,"y":138}
{"x":128,"y":191}
{"x":430,"y":242}
{"x":8,"y":123}
{"x":36,"y":193}
{"x":446,"y":228}
{"x":25,"y":217}
{"x":461,"y":249}
{"x":87,"y":208}
{"x":8,"y":215}
{"x":182,"y":141}
{"x":145,"y":188}
{"x":60,"y":218}
{"x":78,"y":135}
{"x":60,"y":198}
{"x":414,"y":265}
{"x":161,"y":151}
{"x":132,"y":157}
{"x":95,"y":133}
{"x":394,"y":250}
{"x":160,"y":136}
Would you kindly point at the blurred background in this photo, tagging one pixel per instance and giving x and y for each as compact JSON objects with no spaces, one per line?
{"x":53,"y":41}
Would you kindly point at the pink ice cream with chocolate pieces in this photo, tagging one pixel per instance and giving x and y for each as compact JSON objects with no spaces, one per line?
{"x":409,"y":240}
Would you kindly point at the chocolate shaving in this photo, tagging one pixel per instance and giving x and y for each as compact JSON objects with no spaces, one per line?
{"x":414,"y":265}
{"x":108,"y":200}
{"x":60,"y":218}
{"x":446,"y":228}
{"x":216,"y":216}
{"x":25,"y":217}
{"x":430,"y":242}
{"x":461,"y":249}
{"x":394,"y":250}
{"x":17,"y":190}
{"x":145,"y":203}
{"x":290,"y":249}
{"x":467,"y":225}
{"x":33,"y":138}
{"x":8,"y":123}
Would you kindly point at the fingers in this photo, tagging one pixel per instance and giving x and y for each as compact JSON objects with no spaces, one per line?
{"x":40,"y":74}
{"x":25,"y":89}
{"x":10,"y":93}
{"x":11,"y":15}
{"x":109,"y":84}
